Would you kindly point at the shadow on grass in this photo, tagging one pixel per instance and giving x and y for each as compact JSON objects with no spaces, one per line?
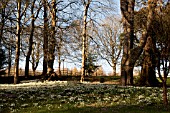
{"x":105,"y":109}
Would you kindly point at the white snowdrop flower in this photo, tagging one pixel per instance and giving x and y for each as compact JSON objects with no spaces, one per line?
{"x":106,"y":99}
{"x":12,"y":104}
{"x":1,"y":105}
{"x":35,"y":104}
{"x":31,"y":97}
{"x":71,"y":99}
{"x":52,"y":96}
{"x":24,"y":105}
{"x":79,"y":99}
{"x":141,"y":97}
{"x":59,"y":96}
{"x":39,"y":106}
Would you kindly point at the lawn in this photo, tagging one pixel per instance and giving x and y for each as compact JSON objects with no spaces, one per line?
{"x":74,"y":97}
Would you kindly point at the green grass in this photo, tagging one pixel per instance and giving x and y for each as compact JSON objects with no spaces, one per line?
{"x":100,"y":109}
{"x":167,"y":82}
{"x":73,"y":97}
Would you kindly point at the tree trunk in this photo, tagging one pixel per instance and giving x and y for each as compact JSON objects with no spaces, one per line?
{"x":52,"y":42}
{"x":35,"y":61}
{"x":30,"y":41}
{"x":127,"y":9}
{"x":45,"y":37}
{"x":114,"y":69}
{"x":17,"y":43}
{"x":84,"y":34}
{"x":131,"y":54}
{"x":9,"y":59}
{"x":59,"y":67}
{"x":2,"y":24}
{"x":148,"y":75}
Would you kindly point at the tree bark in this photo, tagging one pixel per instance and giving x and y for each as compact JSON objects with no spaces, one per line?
{"x":2,"y":24}
{"x":9,"y":59}
{"x":30,"y":41}
{"x":148,"y":75}
{"x":17,"y":42}
{"x":84,"y":34}
{"x":114,"y":69}
{"x":59,"y":56}
{"x":45,"y":37}
{"x":130,"y":53}
{"x":127,"y":9}
{"x":52,"y":42}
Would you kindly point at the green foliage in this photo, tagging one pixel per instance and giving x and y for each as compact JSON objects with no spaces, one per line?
{"x":90,"y":66}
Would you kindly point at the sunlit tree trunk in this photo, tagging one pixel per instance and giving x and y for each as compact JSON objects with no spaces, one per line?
{"x":52,"y":40}
{"x":84,"y":35}
{"x":127,"y":9}
{"x":17,"y":51}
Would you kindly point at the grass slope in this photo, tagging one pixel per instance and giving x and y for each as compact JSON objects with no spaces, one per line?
{"x":73,"y":97}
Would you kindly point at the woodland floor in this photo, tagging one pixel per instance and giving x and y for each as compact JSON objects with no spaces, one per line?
{"x":75,"y":97}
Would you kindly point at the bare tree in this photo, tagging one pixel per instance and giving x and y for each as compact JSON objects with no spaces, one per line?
{"x":110,"y":41}
{"x":20,"y":13}
{"x":52,"y":38}
{"x":32,"y":26}
{"x":84,"y":35}
{"x":17,"y":42}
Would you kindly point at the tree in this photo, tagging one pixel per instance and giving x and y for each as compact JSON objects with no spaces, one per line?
{"x":74,"y":71}
{"x":90,"y":66}
{"x":162,"y":33}
{"x":18,"y":31}
{"x":84,"y":35}
{"x":3,"y":60}
{"x":148,"y":62}
{"x":91,"y":9}
{"x":127,"y":10}
{"x":2,"y":25}
{"x":20,"y":13}
{"x":36,"y":53}
{"x":130,"y":52}
{"x":45,"y":39}
{"x":109,"y":35}
{"x":52,"y":40}
{"x":7,"y":31}
{"x":32,"y":26}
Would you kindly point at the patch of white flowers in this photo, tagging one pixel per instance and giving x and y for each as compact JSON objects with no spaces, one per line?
{"x":38,"y":94}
